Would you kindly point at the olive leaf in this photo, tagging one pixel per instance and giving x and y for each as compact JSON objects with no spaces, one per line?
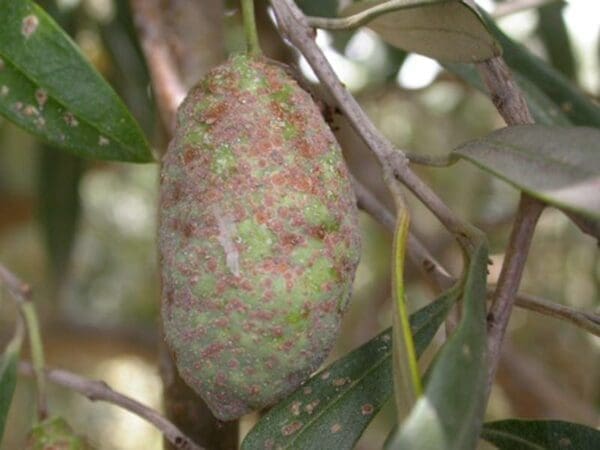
{"x":448,"y":30}
{"x":559,"y":165}
{"x":578,"y":107}
{"x":50,"y":89}
{"x":543,"y":109}
{"x":450,"y":413}
{"x":515,"y":434}
{"x":407,"y":379}
{"x":335,"y":406}
{"x":8,"y":378}
{"x":59,"y":205}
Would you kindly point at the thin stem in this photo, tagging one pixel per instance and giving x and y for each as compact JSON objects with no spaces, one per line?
{"x":587,"y":321}
{"x":16,"y":342}
{"x":250,"y":27}
{"x":510,"y":277}
{"x":360,"y":18}
{"x":431,"y":160}
{"x":37,"y":356}
{"x":100,"y":391}
{"x":21,"y":293}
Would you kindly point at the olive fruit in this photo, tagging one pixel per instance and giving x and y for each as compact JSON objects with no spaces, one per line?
{"x":258,"y":237}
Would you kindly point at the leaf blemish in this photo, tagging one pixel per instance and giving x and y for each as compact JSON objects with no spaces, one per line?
{"x":4,"y":90}
{"x":40,"y":122}
{"x":366,"y":409}
{"x":1,"y":64}
{"x":29,"y":25}
{"x":340,"y":381}
{"x":30,"y":111}
{"x":311,"y":406}
{"x":71,"y":120}
{"x":335,"y":428}
{"x":291,"y":428}
{"x":295,"y":408}
{"x":102,"y":141}
{"x":41,"y":96}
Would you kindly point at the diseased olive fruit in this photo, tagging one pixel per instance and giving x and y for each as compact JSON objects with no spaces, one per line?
{"x":258,"y":237}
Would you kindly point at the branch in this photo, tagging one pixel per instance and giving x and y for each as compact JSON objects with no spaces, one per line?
{"x":100,"y":391}
{"x":293,"y":24}
{"x":20,"y":290}
{"x":510,"y":277}
{"x":585,"y":320}
{"x":434,"y":270}
{"x":504,"y":92}
{"x":417,"y":252}
{"x":166,"y":83}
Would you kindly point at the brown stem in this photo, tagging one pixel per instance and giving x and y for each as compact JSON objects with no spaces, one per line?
{"x":510,"y":277}
{"x":185,"y":408}
{"x":100,"y":391}
{"x":435,"y":271}
{"x":504,"y":93}
{"x":293,"y":24}
{"x":166,"y":83}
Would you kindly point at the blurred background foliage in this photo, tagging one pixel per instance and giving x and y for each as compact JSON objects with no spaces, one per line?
{"x":83,"y":233}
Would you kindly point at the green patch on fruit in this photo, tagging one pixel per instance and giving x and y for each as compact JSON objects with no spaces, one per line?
{"x":289,"y":131}
{"x":293,"y":199}
{"x":196,"y":136}
{"x":318,"y":274}
{"x":257,"y":240}
{"x":205,"y":286}
{"x":283,"y":95}
{"x":329,"y":162}
{"x":301,"y":256}
{"x":223,"y":160}
{"x":250,"y":79}
{"x":317,"y":214}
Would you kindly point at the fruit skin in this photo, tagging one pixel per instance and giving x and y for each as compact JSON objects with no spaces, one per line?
{"x":258,"y":237}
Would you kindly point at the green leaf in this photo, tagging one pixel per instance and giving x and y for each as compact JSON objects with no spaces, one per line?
{"x":552,"y":30}
{"x":59,"y":205}
{"x":335,"y":406}
{"x":320,"y":8}
{"x":543,"y":109}
{"x":515,"y":434}
{"x":450,"y":414}
{"x":446,"y":30}
{"x":8,"y":381}
{"x":50,"y":89}
{"x":576,"y":105}
{"x":559,"y":165}
{"x":407,"y":379}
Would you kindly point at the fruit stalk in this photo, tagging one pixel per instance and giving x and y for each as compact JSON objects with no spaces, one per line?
{"x":250,"y":28}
